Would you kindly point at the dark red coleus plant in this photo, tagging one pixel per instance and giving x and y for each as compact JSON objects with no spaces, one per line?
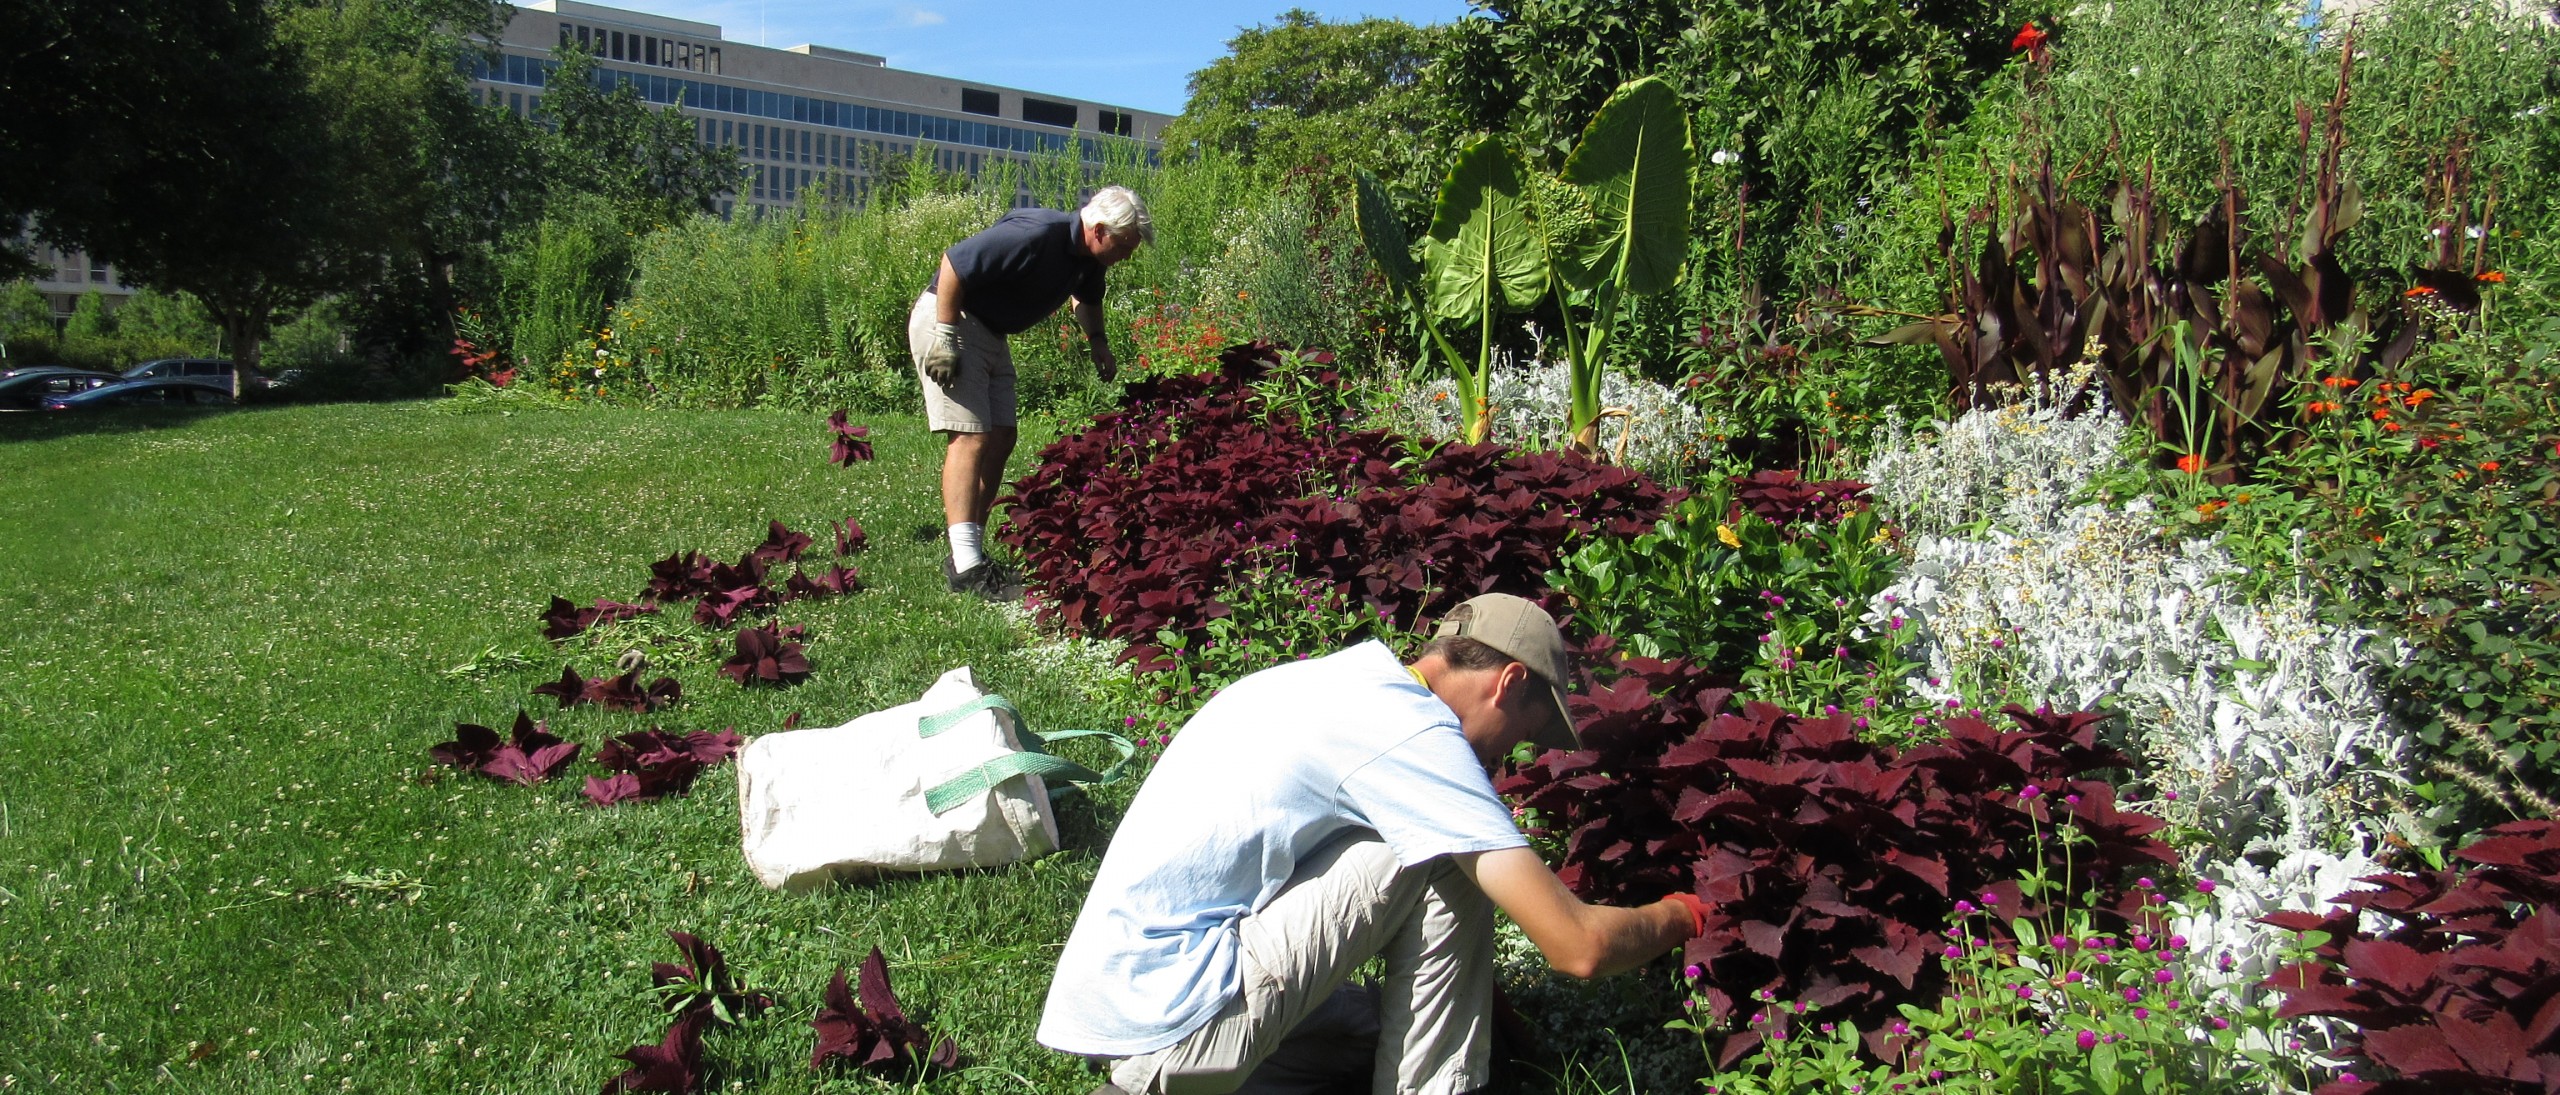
{"x":1784,"y":498}
{"x":767,"y":656}
{"x":874,"y":1032}
{"x":564,"y":619}
{"x":672,"y":1065}
{"x":1830,"y":865}
{"x":621,"y":693}
{"x":701,"y":985}
{"x":529,"y":756}
{"x":1134,"y":524}
{"x":781,"y":545}
{"x":833,"y":581}
{"x":2461,"y":992}
{"x":849,"y":536}
{"x":654,"y":763}
{"x":850,"y":444}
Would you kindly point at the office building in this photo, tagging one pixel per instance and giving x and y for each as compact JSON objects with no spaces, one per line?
{"x":808,"y":119}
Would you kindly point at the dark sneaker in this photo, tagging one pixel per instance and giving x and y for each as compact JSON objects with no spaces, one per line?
{"x":987,"y":579}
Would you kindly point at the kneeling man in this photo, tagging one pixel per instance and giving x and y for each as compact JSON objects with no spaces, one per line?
{"x":1315,"y":815}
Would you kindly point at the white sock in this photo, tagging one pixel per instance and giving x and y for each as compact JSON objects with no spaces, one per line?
{"x":965,"y":549}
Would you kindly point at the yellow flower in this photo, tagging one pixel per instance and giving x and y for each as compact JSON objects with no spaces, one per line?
{"x":1725,"y":533}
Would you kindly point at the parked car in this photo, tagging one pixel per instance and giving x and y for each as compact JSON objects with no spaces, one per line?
{"x":154,"y":392}
{"x":25,"y":389}
{"x":208,"y":370}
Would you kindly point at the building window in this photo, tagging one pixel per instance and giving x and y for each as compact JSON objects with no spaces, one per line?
{"x":1045,"y":112}
{"x":583,"y":43}
{"x":649,"y":50}
{"x":974,"y":101}
{"x":1118,"y":123}
{"x":565,"y":36}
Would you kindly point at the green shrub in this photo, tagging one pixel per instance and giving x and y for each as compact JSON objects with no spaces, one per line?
{"x":558,"y":278}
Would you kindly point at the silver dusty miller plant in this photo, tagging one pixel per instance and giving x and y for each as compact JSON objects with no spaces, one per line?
{"x":2263,"y":734}
{"x":1658,"y":433}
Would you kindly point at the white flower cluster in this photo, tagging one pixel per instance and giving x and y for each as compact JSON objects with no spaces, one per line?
{"x":2262,"y":733}
{"x":1643,"y":425}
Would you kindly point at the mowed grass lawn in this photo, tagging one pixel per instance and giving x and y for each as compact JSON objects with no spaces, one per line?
{"x":227,"y":864}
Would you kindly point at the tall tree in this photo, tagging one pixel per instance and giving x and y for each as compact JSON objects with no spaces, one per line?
{"x":648,"y":163}
{"x":1304,"y":91}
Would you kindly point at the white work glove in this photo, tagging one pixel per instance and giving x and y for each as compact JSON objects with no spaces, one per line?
{"x":942,"y":355}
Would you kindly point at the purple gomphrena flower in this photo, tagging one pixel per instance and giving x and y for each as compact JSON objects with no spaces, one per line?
{"x":2177,"y":942}
{"x":1998,"y":642}
{"x":2101,"y":958}
{"x":2219,"y":1023}
{"x":2156,"y":899}
{"x":1826,"y":1028}
{"x":1870,"y":702}
{"x":1935,"y":1074}
{"x":1894,"y":624}
{"x":2170,"y":795}
{"x":2065,"y":943}
{"x":2204,"y":885}
{"x":1830,"y":709}
{"x":1933,"y":682}
{"x":1900,"y":1027}
{"x":1692,"y":972}
{"x":2162,"y":977}
{"x":2074,"y":977}
{"x":1692,"y":1005}
{"x":2072,"y":800}
{"x":2088,"y":1039}
{"x":1952,"y":705}
{"x":1891,"y":599}
{"x":1919,"y":720}
{"x":1963,"y":906}
{"x":1860,"y":722}
{"x":1839,"y":652}
{"x":1131,"y":720}
{"x":2171,"y":1005}
{"x":2144,"y":883}
{"x":2228,"y":962}
{"x":2133,"y":994}
{"x":1990,"y":899}
{"x":2030,"y":791}
{"x":1759,"y":1017}
{"x":2025,"y":993}
{"x":2142,"y":1013}
{"x":2346,"y":1077}
{"x":1954,"y":952}
{"x":2293,"y":1043}
{"x":2141,"y":943}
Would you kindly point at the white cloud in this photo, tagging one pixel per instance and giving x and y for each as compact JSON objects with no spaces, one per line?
{"x":919,"y":17}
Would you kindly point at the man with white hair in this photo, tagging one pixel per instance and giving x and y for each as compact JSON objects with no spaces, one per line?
{"x":1001,"y":282}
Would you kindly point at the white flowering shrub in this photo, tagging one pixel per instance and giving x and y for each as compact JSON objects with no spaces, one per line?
{"x":1659,"y":433}
{"x":2265,"y":741}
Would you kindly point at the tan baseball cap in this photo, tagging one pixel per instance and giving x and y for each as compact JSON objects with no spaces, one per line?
{"x":1525,"y":633}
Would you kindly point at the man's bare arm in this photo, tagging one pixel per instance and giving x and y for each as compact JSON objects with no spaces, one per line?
{"x":1577,"y":938}
{"x":1089,"y":316}
{"x":946,"y":294}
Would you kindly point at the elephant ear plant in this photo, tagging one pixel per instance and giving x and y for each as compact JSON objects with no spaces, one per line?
{"x":1502,"y":236}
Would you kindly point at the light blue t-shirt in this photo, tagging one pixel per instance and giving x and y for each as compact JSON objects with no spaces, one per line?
{"x":1270,"y":769}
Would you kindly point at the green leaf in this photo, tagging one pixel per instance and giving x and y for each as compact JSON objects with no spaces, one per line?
{"x":1485,"y":241}
{"x":1633,"y":163}
{"x":2026,"y":930}
{"x":1382,"y":234}
{"x":2102,"y":1067}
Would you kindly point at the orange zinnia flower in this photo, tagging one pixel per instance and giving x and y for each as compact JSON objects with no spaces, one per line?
{"x":2420,"y":396}
{"x":2420,"y":291}
{"x":2381,"y":414}
{"x":2191,"y":463}
{"x":2391,"y":426}
{"x":2492,"y":277}
{"x":2488,"y":465}
{"x":2338,"y":381}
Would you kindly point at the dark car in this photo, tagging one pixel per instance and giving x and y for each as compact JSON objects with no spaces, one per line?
{"x":142,"y":393}
{"x":25,"y":389}
{"x":203,"y":370}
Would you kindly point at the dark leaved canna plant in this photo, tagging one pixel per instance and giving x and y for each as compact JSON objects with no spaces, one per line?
{"x":2459,"y":989}
{"x":527,"y":756}
{"x":1831,"y":864}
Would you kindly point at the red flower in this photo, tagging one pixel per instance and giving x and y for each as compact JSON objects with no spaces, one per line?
{"x":2029,"y":38}
{"x":2428,"y":442}
{"x":2488,"y":465}
{"x":2190,"y":463}
{"x":2492,"y":277}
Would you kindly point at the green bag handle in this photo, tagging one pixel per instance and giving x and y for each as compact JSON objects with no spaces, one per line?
{"x":1033,"y":760}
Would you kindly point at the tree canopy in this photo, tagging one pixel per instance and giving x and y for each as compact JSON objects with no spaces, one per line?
{"x":1304,"y":91}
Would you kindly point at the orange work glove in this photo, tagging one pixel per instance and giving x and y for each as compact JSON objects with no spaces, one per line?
{"x":1697,"y":912}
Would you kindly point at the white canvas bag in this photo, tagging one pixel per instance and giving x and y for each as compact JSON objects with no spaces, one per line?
{"x":952,"y":780}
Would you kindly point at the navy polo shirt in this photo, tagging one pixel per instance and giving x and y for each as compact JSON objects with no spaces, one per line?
{"x":1022,"y":268}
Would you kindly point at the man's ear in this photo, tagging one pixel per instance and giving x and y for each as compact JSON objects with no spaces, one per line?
{"x":1511,"y":686}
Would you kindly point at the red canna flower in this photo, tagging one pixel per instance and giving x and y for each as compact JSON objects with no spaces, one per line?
{"x":2190,"y":463}
{"x":2428,"y":442}
{"x":2029,"y":39}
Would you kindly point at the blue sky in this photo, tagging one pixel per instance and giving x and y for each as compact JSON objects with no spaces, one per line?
{"x":1135,"y":53}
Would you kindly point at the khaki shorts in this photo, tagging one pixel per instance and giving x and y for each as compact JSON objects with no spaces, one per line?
{"x":981,"y":397}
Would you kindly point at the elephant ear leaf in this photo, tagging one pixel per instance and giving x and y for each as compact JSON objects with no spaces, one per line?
{"x":1489,"y":246}
{"x":1633,"y":164}
{"x":1382,"y":235}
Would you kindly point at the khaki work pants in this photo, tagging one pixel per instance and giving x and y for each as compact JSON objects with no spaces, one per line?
{"x":1297,"y":1026}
